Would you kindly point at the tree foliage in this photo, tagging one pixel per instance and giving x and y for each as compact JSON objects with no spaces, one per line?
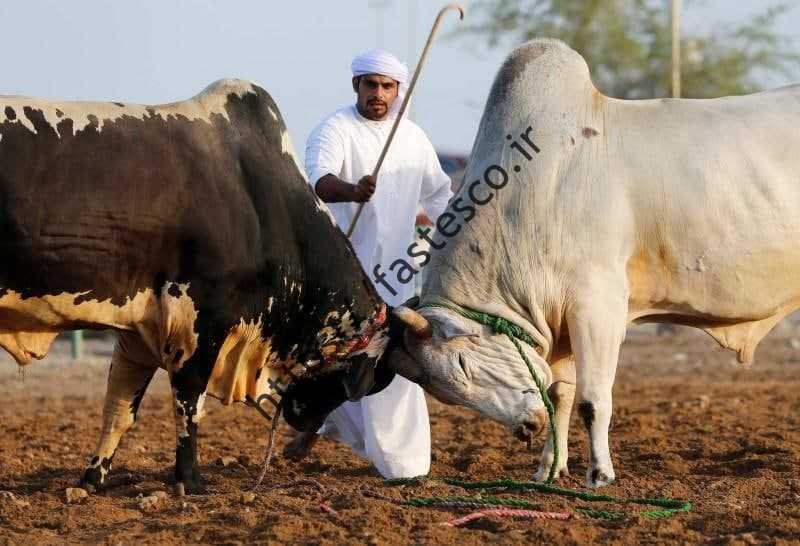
{"x":627,"y":44}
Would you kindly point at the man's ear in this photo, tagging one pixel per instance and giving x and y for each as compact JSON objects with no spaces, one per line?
{"x":356,"y":81}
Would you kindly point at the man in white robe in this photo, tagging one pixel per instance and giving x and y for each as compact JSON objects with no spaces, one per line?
{"x":390,"y":428}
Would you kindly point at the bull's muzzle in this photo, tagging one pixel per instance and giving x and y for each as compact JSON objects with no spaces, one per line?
{"x":531,"y":427}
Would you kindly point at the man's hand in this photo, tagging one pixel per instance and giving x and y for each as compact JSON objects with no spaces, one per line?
{"x":331,"y":189}
{"x":364,"y":189}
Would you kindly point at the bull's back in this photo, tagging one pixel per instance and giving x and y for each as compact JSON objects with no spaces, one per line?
{"x":106,"y":201}
{"x":714,"y":189}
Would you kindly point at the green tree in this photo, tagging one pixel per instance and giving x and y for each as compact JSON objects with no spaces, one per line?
{"x":627,"y":44}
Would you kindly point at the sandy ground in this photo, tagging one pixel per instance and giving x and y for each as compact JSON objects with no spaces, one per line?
{"x":688,"y":424}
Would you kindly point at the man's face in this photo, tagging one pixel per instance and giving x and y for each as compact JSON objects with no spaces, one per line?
{"x":376,"y":94}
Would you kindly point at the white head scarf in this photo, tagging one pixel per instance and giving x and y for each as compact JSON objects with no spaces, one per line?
{"x":384,"y":63}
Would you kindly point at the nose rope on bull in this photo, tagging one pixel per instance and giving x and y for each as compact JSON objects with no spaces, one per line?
{"x":515,"y":334}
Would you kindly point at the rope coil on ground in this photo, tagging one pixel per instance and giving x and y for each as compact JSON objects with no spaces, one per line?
{"x":514,"y":485}
{"x":668,"y":507}
{"x":456,"y":501}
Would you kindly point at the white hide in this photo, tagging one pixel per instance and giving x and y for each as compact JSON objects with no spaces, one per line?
{"x":684,"y":210}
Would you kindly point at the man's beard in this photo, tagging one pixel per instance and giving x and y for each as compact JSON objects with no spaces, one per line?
{"x":377,"y":109}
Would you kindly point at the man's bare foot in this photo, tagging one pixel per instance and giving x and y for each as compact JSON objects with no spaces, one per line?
{"x":300,"y":446}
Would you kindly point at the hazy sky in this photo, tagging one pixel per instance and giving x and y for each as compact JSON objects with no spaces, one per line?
{"x":155,"y":51}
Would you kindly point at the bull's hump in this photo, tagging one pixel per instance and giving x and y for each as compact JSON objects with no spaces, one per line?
{"x":34,"y":114}
{"x":226,"y":86}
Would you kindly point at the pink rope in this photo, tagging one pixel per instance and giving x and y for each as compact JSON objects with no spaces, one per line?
{"x":506,"y":513}
{"x":327,"y":509}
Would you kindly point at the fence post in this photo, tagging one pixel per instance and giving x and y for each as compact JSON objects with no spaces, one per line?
{"x":76,"y":344}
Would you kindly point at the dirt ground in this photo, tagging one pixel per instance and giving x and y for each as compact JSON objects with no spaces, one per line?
{"x":688,"y":424}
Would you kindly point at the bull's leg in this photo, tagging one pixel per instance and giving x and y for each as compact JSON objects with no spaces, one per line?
{"x":128,"y":379}
{"x":188,"y":391}
{"x":597,"y":329}
{"x":562,"y":394}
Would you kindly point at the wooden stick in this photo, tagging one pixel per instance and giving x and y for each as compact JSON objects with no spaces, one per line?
{"x":405,"y":103}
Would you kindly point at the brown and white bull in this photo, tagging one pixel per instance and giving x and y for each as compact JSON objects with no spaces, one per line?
{"x":580,"y":215}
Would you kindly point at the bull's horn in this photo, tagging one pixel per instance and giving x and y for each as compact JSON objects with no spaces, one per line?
{"x":418,"y":324}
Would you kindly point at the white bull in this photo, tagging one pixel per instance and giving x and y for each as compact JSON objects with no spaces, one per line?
{"x":581,"y":214}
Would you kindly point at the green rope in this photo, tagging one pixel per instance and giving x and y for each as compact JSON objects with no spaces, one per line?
{"x":610,"y":514}
{"x":455,"y":501}
{"x":514,"y":485}
{"x":502,"y":326}
{"x":481,"y":500}
{"x":668,"y":507}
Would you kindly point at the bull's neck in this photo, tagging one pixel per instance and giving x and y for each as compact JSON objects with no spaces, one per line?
{"x":506,"y":258}
{"x":299,"y":269}
{"x":479,"y":269}
{"x":330,"y":267}
{"x":332,"y":261}
{"x":311,"y":279}
{"x":496,"y":262}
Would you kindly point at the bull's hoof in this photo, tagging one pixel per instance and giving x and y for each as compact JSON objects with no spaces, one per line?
{"x":92,"y":480}
{"x":190,"y":483}
{"x":88,"y":486}
{"x":94,"y":484}
{"x":183,"y":488}
{"x":597,"y":477}
{"x":300,"y":446}
{"x":544,"y":471}
{"x":94,"y":477}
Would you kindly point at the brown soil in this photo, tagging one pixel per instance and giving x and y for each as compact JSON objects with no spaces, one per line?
{"x":688,"y":424}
